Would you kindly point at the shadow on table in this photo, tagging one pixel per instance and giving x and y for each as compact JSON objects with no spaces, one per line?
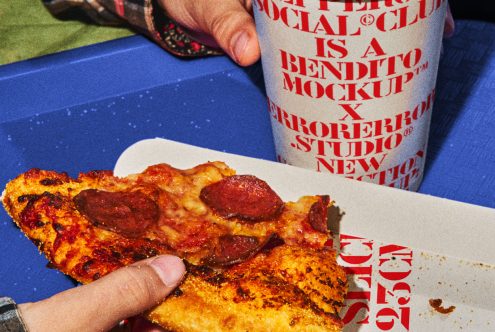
{"x":255,"y":74}
{"x":460,"y":86}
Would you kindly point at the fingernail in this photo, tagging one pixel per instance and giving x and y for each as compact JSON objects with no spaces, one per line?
{"x":170,"y":269}
{"x":240,"y":41}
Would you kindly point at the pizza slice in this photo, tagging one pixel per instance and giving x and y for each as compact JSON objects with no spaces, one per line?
{"x":254,"y":262}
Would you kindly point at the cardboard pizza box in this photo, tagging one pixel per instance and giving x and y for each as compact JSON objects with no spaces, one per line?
{"x":402,"y":250}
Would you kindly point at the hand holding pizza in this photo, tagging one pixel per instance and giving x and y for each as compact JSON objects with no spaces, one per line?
{"x":99,"y":306}
{"x":254,"y":262}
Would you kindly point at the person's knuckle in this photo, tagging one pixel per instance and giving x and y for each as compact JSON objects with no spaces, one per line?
{"x":219,"y":25}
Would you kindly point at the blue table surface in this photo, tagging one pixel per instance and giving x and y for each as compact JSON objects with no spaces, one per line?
{"x":78,"y":110}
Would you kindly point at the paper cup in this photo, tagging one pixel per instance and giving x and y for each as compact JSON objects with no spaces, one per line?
{"x":351,"y":84}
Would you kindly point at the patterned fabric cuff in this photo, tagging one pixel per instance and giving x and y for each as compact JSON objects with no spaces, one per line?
{"x":10,"y":317}
{"x":171,"y":36}
{"x":146,"y":16}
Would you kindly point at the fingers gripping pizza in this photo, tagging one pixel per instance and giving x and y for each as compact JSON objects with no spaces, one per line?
{"x":254,"y":262}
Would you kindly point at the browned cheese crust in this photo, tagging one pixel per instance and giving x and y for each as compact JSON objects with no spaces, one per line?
{"x":257,"y":267}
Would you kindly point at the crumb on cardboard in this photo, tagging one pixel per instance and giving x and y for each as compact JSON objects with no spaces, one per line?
{"x":437,"y":305}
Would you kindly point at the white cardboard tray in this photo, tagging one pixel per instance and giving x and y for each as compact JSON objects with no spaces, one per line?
{"x":400,"y":248}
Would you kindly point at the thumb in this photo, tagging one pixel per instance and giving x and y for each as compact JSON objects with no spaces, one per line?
{"x":100,"y":305}
{"x":234,"y":30}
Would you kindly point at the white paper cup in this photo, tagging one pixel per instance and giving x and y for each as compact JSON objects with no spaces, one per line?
{"x":351,"y":84}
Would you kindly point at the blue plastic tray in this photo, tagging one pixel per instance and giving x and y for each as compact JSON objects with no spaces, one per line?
{"x":78,"y":110}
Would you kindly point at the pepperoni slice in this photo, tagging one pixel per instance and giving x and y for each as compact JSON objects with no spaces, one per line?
{"x":242,"y":196}
{"x":318,"y":214}
{"x":234,"y":249}
{"x":125,"y":213}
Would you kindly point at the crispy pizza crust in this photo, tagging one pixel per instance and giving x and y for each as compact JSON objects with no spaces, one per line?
{"x":293,"y":285}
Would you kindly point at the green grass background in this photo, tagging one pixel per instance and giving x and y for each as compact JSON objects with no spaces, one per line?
{"x":28,"y":30}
